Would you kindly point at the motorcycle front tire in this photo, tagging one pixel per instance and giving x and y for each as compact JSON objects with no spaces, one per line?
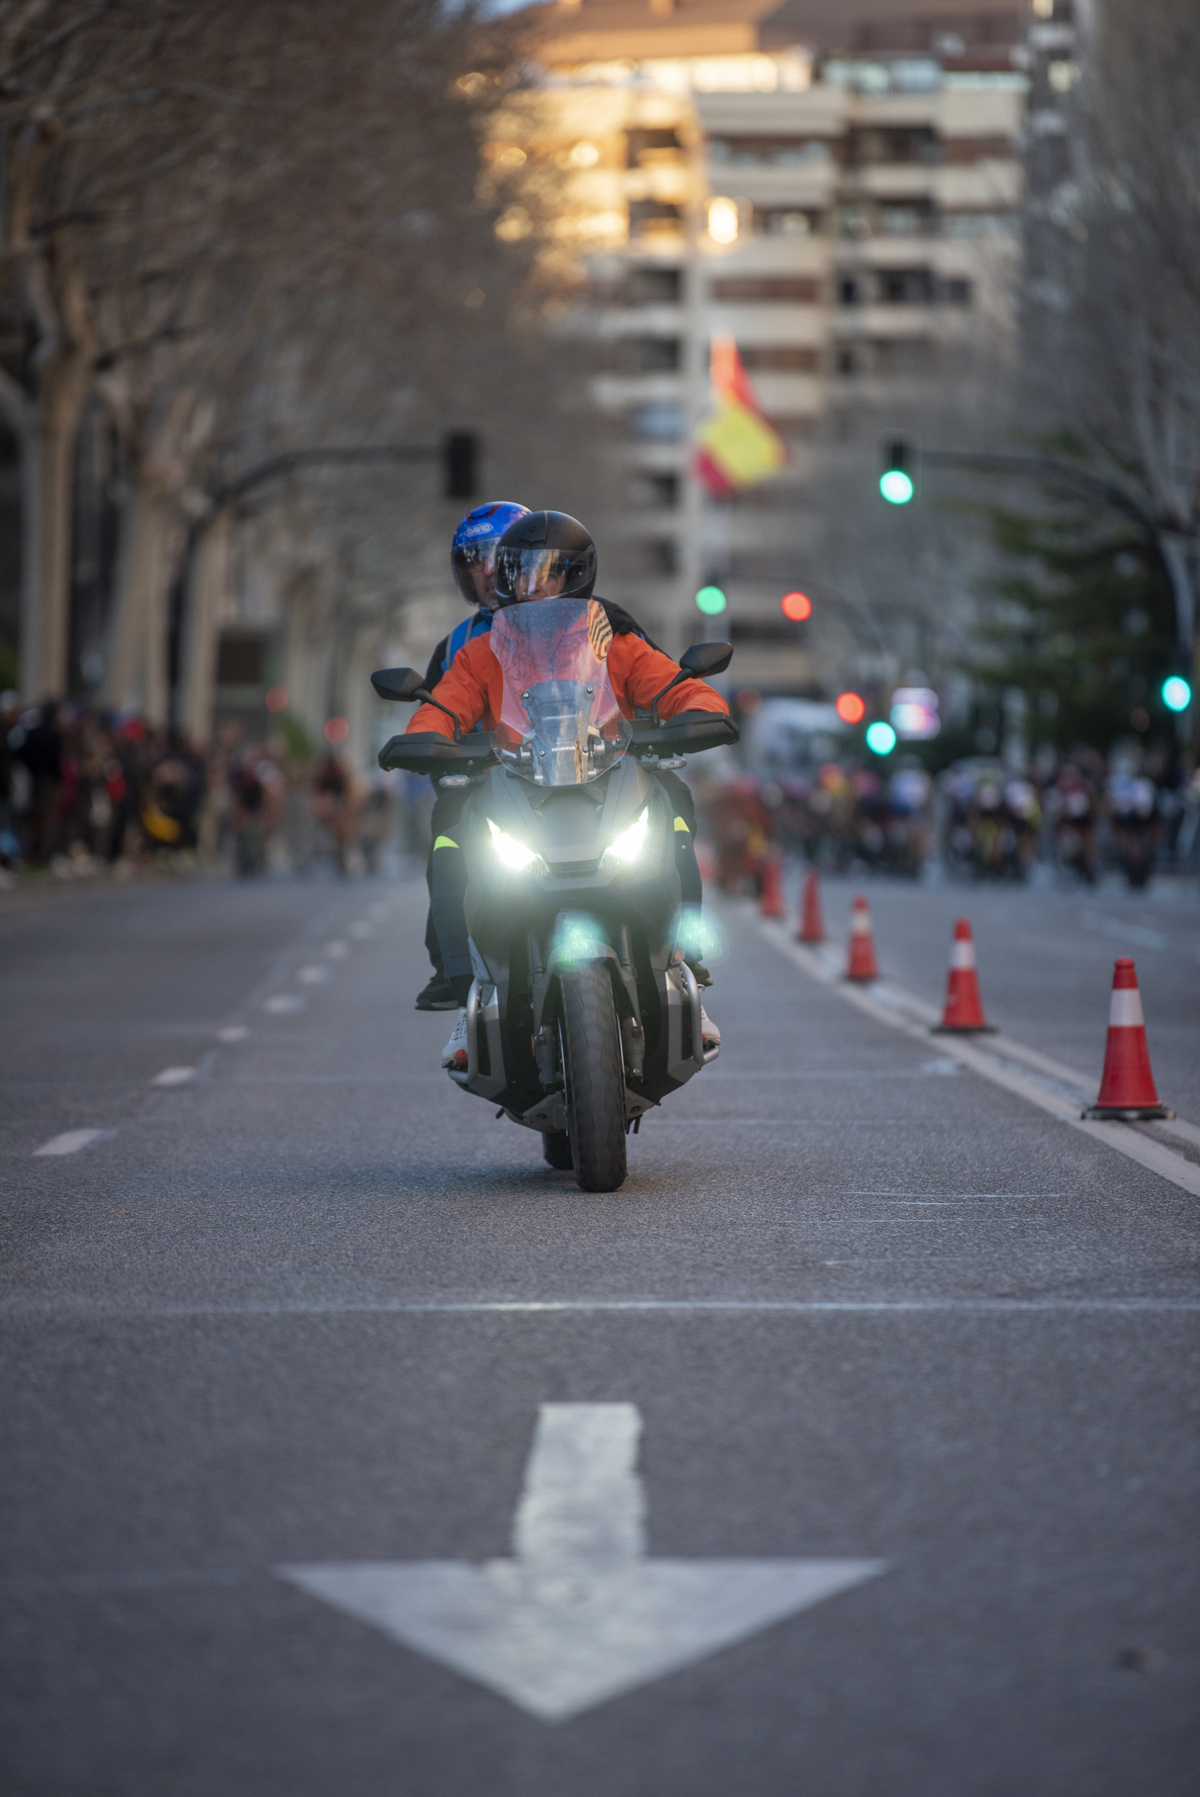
{"x":593,"y":1077}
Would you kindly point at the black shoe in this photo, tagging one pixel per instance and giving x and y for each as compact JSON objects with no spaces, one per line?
{"x":703,"y":976}
{"x":438,"y":995}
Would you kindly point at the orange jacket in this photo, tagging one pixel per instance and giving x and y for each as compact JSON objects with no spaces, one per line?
{"x":473,"y":686}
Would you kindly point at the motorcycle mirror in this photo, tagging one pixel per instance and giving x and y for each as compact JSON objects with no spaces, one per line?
{"x":703,"y":659}
{"x":402,"y":684}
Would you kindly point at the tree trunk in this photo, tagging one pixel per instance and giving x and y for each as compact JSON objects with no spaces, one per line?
{"x":207,"y":578}
{"x":46,"y":430}
{"x":135,"y":678}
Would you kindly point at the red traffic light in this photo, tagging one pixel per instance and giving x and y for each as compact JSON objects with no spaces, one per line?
{"x":850,"y":708}
{"x":796,"y":606}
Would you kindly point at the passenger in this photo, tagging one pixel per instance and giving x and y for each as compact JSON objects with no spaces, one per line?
{"x":473,"y":559}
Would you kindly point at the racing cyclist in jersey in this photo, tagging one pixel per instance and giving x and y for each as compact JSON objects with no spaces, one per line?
{"x":473,"y":561}
{"x":547,"y":555}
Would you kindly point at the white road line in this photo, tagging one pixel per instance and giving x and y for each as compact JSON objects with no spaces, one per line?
{"x":361,"y":932}
{"x":72,"y":1140}
{"x":1133,"y":935}
{"x":337,"y":951}
{"x":284,"y":1002}
{"x":234,"y":1032}
{"x":650,"y":1307}
{"x":890,"y":1006}
{"x":313,"y":976}
{"x":174,"y":1076}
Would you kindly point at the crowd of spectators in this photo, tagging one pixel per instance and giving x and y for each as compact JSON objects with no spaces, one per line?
{"x":1079,"y":815}
{"x":83,"y":792}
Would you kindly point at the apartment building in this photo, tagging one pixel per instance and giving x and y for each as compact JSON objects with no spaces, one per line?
{"x":833,"y":187}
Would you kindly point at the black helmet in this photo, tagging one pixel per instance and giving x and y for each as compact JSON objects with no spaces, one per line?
{"x":545,"y":555}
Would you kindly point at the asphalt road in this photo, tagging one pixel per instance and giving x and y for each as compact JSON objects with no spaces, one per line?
{"x":302,"y":1305}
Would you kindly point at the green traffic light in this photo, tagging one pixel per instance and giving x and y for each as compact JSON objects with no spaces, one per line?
{"x":896,"y":486}
{"x":881,"y":738}
{"x":711,"y":601}
{"x":1176,"y":693}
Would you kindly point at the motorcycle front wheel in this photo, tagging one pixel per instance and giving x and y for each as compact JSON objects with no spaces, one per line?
{"x":593,"y":1078}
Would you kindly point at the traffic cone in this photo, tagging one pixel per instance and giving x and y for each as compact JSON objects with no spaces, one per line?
{"x":861,"y":964}
{"x":963,"y":1014}
{"x":1127,"y":1089}
{"x":812,"y":928}
{"x":770,"y":903}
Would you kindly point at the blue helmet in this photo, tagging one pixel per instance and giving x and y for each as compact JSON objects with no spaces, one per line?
{"x":474,"y":545}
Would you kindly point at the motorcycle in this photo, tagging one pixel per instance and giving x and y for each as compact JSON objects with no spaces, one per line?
{"x":583,"y":1013}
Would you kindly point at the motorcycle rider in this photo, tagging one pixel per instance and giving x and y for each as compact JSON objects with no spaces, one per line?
{"x":473,"y":561}
{"x":546,"y":555}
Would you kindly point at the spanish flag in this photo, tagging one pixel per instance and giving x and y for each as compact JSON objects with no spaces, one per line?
{"x":737,"y":446}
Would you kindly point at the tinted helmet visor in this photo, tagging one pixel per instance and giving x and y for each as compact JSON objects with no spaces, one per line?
{"x":523,"y":573}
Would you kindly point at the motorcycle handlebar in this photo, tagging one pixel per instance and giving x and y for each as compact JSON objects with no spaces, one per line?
{"x":428,"y":752}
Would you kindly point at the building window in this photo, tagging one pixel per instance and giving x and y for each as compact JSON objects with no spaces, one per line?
{"x":782,"y":221}
{"x":660,"y":556}
{"x":649,"y":216}
{"x":766,"y":288}
{"x":782,"y":358}
{"x":655,"y":492}
{"x":956,"y":292}
{"x":652,"y":355}
{"x":912,"y":144}
{"x":769,"y":152}
{"x":907,"y":218}
{"x":975,"y":224}
{"x":905,"y":286}
{"x":658,"y":423}
{"x":848,"y":291}
{"x":847,"y":362}
{"x":654,"y":286}
{"x":853,"y":221}
{"x":644,"y":148}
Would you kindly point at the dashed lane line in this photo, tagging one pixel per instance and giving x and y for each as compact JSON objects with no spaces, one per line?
{"x":1057,"y":1092}
{"x":174,"y":1076}
{"x":72,"y":1140}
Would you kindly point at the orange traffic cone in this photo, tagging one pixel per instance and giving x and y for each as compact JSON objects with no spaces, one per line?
{"x":861,"y":964}
{"x":812,"y":928}
{"x":770,"y":904}
{"x":1127,"y":1087}
{"x":963,"y":1014}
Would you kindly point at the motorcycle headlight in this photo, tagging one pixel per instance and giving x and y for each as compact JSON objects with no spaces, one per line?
{"x":514,"y":854}
{"x":627,"y":846}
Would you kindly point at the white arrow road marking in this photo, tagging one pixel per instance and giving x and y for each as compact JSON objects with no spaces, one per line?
{"x":580,"y":1615}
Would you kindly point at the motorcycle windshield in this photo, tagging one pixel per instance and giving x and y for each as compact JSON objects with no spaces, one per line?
{"x":560,"y":724}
